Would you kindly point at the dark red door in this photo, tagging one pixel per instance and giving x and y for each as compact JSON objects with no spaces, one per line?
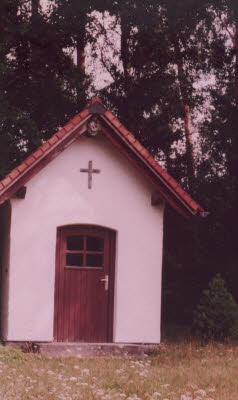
{"x":84,"y":284}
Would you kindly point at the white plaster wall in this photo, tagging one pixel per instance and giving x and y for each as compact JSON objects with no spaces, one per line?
{"x":121,"y":200}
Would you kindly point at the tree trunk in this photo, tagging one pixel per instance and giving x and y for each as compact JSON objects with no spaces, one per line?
{"x":236,"y":56}
{"x":232,"y":156}
{"x":128,"y":110}
{"x":8,"y":18}
{"x":125,"y":56}
{"x":189,"y":140}
{"x":80,"y":52}
{"x":35,"y":8}
{"x":234,"y":148}
{"x":235,"y":133}
{"x":35,"y":4}
{"x":187,"y":117}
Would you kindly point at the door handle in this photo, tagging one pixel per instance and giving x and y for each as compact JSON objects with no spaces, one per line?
{"x":106,"y":281}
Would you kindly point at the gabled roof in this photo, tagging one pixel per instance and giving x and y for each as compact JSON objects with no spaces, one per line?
{"x":165,"y":186}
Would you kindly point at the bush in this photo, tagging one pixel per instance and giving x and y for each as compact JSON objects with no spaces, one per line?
{"x":216,"y":313}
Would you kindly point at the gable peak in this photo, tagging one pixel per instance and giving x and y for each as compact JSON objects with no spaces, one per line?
{"x":96,"y":106}
{"x":96,"y":99}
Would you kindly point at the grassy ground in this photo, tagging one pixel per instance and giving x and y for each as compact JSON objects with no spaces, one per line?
{"x":179,"y":372}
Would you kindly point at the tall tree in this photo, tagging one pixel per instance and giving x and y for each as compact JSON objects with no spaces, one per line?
{"x":220,"y":139}
{"x":159,"y":63}
{"x":9,"y":113}
{"x":39,"y":83}
{"x":70,"y":19}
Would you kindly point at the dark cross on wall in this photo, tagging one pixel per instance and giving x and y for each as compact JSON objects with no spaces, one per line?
{"x":90,"y":172}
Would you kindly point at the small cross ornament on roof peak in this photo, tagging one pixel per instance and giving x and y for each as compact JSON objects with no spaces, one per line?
{"x":90,"y":172}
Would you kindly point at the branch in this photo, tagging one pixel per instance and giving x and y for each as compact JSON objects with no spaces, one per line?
{"x":232,"y":36}
{"x":105,"y":65}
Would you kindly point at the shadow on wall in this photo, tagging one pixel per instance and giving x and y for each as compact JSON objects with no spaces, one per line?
{"x":5,"y":226}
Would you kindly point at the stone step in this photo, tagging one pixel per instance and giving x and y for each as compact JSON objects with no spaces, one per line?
{"x":92,"y":350}
{"x":88,"y":350}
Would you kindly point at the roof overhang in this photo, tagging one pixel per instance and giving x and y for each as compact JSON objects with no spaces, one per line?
{"x":122,"y":139}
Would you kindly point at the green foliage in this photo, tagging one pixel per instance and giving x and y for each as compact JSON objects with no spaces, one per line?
{"x":216,"y":312}
{"x":41,"y":88}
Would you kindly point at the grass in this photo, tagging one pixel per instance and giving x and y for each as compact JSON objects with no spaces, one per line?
{"x":178,"y":372}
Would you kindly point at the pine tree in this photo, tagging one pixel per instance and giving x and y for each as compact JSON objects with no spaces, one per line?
{"x":216,"y":312}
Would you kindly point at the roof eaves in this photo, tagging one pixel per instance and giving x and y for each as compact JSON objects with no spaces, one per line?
{"x":42,"y":151}
{"x":162,"y":174}
{"x":127,"y":137}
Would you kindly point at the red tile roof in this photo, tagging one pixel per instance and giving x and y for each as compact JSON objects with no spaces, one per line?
{"x":174,"y":190}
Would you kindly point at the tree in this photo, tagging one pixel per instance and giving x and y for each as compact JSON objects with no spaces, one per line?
{"x":219,"y":140}
{"x":216,"y":312}
{"x":37,"y":80}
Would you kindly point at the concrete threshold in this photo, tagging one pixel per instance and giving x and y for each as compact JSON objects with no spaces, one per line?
{"x":88,"y":350}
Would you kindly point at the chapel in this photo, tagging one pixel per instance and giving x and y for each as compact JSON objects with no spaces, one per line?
{"x":81,"y":232}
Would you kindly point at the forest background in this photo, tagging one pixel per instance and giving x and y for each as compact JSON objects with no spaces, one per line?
{"x":171,"y":68}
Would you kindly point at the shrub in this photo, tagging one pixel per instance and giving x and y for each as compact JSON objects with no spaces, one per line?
{"x":216,"y":313}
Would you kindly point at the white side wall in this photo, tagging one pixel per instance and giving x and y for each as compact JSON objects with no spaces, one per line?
{"x":121,"y":200}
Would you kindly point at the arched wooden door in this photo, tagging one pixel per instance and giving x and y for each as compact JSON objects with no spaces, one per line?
{"x":84,"y":287}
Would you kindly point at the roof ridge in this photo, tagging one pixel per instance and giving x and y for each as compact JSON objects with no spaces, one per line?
{"x":63,"y":133}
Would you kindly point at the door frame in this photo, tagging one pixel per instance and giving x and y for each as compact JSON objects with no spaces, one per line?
{"x":112,"y":261}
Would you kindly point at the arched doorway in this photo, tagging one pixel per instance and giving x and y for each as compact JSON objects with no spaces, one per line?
{"x":84,"y":287}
